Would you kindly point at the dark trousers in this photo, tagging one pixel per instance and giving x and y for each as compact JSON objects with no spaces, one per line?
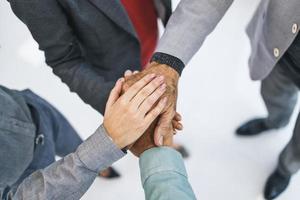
{"x":280,"y":93}
{"x":54,"y":136}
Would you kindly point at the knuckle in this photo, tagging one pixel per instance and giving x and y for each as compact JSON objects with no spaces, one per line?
{"x":158,"y":93}
{"x":165,"y":125}
{"x":144,"y":80}
{"x":154,"y":84}
{"x":144,"y":93}
{"x":155,"y":113}
{"x":160,"y":106}
{"x":150,"y":101}
{"x":165,"y":129}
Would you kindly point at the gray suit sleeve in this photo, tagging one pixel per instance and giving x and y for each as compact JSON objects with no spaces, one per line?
{"x":50,"y":27}
{"x":190,"y":24}
{"x":70,"y":177}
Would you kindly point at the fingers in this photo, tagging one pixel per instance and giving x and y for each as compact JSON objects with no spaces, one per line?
{"x":115,"y":93}
{"x":177,"y":117}
{"x":144,"y":94}
{"x":156,"y":111}
{"x":177,"y":125}
{"x":128,"y":73}
{"x":164,"y":128}
{"x":136,"y":87}
{"x":148,"y":103}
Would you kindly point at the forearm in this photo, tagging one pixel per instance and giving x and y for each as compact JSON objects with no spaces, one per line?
{"x":164,"y":176}
{"x":91,"y":87}
{"x":190,"y":24}
{"x":70,"y":177}
{"x":50,"y":27}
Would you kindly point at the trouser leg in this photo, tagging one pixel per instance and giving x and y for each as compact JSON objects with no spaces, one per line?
{"x":280,"y":97}
{"x":51,"y":123}
{"x":289,"y":160}
{"x":65,"y":137}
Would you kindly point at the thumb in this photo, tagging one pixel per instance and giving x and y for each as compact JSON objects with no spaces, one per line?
{"x":115,"y":93}
{"x":164,"y":129}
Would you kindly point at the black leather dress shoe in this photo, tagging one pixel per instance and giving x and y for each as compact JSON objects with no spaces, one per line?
{"x":182,"y":150}
{"x":275,"y":185}
{"x":109,"y":173}
{"x":253,"y":127}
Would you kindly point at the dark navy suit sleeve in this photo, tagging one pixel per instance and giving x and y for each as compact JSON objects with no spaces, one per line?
{"x":49,"y":26}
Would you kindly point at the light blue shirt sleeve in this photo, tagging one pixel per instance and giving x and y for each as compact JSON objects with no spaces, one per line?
{"x":164,"y":176}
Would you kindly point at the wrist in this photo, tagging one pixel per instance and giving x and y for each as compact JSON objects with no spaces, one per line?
{"x":172,"y":61}
{"x":165,"y":69}
{"x":116,"y":140}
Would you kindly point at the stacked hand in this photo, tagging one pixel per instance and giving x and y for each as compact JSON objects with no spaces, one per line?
{"x":162,"y":129}
{"x":141,"y":105}
{"x":128,"y":116}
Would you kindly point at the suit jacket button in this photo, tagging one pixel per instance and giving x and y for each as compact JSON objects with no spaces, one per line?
{"x":276,"y":52}
{"x":295,"y":28}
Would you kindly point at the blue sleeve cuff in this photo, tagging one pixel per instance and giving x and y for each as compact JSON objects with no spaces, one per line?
{"x":160,"y":159}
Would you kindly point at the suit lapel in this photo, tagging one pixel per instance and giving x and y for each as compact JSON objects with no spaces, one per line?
{"x":115,"y":11}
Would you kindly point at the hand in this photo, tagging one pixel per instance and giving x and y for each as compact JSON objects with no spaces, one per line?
{"x":176,"y":122}
{"x":162,"y":127}
{"x":128,"y":116}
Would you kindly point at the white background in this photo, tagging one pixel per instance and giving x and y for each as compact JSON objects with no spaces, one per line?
{"x":216,"y":95}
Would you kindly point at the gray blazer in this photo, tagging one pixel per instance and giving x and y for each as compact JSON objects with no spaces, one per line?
{"x":272,"y":30}
{"x":17,"y":133}
{"x":88,"y":43}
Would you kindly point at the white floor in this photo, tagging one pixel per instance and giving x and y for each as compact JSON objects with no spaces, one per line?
{"x":216,"y":95}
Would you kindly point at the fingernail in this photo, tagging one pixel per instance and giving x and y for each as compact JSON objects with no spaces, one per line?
{"x":127,"y":71}
{"x":160,"y":141}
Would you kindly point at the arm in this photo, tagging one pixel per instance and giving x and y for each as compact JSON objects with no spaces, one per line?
{"x":49,"y":26}
{"x":190,"y":24}
{"x":186,"y":30}
{"x":125,"y":120}
{"x":164,"y":176}
{"x":70,"y":177}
